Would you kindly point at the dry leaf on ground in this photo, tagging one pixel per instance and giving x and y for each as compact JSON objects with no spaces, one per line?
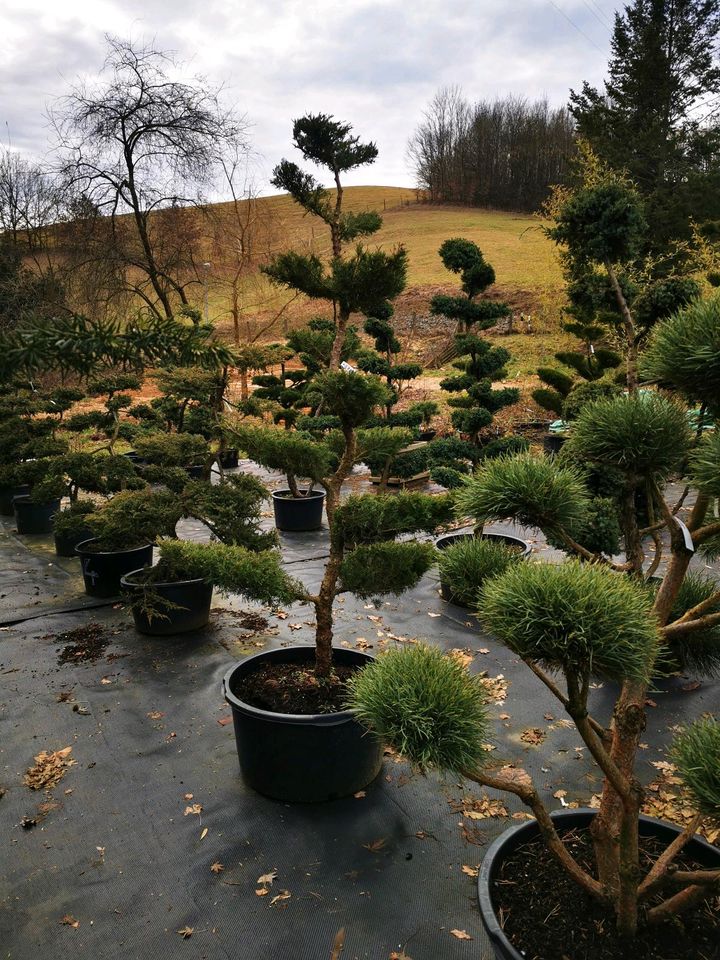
{"x":461,"y":934}
{"x":375,"y":845}
{"x":49,"y":769}
{"x":69,"y":921}
{"x":193,"y":808}
{"x":186,"y":932}
{"x":495,"y":687}
{"x":217,"y":867}
{"x":469,"y":871}
{"x":533,"y":735}
{"x":267,"y":878}
{"x":283,"y":895}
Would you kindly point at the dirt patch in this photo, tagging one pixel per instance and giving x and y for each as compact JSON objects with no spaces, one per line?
{"x":81,"y":645}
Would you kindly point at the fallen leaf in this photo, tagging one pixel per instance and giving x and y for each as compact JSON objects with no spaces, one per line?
{"x":69,"y":921}
{"x":186,"y":932}
{"x":295,"y":626}
{"x":376,"y":845}
{"x":187,"y":797}
{"x":338,"y":944}
{"x":461,"y":934}
{"x":223,"y":721}
{"x":533,"y":736}
{"x":690,"y":686}
{"x":650,"y":703}
{"x":483,"y":650}
{"x":105,"y":680}
{"x":495,"y":687}
{"x":267,"y":878}
{"x":204,"y":833}
{"x":559,"y":794}
{"x":504,"y":716}
{"x":193,"y":808}
{"x":360,"y":795}
{"x":155,"y":715}
{"x":262,"y":892}
{"x":283,"y":895}
{"x":463,"y":656}
{"x":217,"y":867}
{"x":399,"y":956}
{"x":49,"y":769}
{"x":469,"y":871}
{"x":431,"y":614}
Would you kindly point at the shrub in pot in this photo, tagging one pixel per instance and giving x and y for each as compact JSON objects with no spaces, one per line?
{"x":70,"y":527}
{"x":187,"y":451}
{"x":174,"y":595}
{"x":125,"y":529}
{"x":466,"y":564}
{"x":35,"y":510}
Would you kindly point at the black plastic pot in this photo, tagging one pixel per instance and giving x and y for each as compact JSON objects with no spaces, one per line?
{"x":196,"y":471}
{"x":31,"y":517}
{"x":304,"y":759}
{"x":442,"y":543}
{"x":102,"y":570}
{"x":7,"y":495}
{"x":552,"y":442}
{"x":427,"y":435}
{"x":298,"y":514}
{"x":228,"y":459}
{"x":65,"y":545}
{"x":511,"y":839}
{"x":188,"y":604}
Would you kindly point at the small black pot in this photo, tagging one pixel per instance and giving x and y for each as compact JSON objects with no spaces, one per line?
{"x":102,"y":570}
{"x":303,"y":759}
{"x":510,"y":840}
{"x":8,"y":494}
{"x":552,"y":442}
{"x":442,"y":543}
{"x":196,"y":471}
{"x":189,"y":605}
{"x":31,"y":517}
{"x":228,"y":459}
{"x":427,"y":435}
{"x":65,"y":545}
{"x":298,"y":514}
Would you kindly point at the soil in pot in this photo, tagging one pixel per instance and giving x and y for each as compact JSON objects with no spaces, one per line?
{"x":301,"y":757}
{"x":166,"y":609}
{"x":547,"y":917}
{"x":298,"y":514}
{"x":294,"y":688}
{"x":34,"y":518}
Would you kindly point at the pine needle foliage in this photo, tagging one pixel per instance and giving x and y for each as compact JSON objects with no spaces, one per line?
{"x":425,"y":705}
{"x":363,"y":519}
{"x":683,"y":352}
{"x":466,"y":565}
{"x":230,"y":568}
{"x":705,"y":465}
{"x":133,"y":518}
{"x":231,"y":510}
{"x":695,"y":752}
{"x":285,"y":450}
{"x":535,"y":490}
{"x":573,"y":617}
{"x":381,"y":568}
{"x":698,"y":652}
{"x":643,"y":435}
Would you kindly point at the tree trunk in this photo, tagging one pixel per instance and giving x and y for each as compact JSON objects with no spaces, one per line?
{"x":629,"y":328}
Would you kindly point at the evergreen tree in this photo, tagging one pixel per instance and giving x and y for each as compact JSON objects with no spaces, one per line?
{"x":647,"y":120}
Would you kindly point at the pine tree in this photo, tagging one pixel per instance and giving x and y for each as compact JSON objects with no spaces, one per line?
{"x":647,"y":120}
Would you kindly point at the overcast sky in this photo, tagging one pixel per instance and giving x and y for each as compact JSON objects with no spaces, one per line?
{"x":373,"y":63}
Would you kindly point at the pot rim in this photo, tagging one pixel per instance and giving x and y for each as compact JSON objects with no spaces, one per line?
{"x":25,"y":500}
{"x":126,"y":582}
{"x":280,"y":495}
{"x":487,"y":910}
{"x":489,"y":534}
{"x":300,"y":719}
{"x":106,"y":553}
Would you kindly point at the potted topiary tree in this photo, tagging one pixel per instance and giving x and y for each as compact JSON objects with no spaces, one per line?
{"x":307,"y":682}
{"x":582,"y":620}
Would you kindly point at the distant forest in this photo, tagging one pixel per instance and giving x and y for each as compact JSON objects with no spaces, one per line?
{"x":504,"y":154}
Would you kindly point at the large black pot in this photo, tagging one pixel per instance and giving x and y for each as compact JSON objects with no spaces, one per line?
{"x":511,"y":839}
{"x":8,"y":494}
{"x":228,"y":459}
{"x":427,"y":435}
{"x":196,"y":472}
{"x":102,"y":570}
{"x":298,"y":514}
{"x":31,"y":517}
{"x":295,"y":758}
{"x":442,"y":543}
{"x":188,"y":604}
{"x":65,"y":545}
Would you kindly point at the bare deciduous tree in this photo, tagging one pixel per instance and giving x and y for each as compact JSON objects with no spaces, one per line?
{"x":141,"y":147}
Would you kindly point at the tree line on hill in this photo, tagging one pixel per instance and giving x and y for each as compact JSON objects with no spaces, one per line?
{"x":655,"y":119}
